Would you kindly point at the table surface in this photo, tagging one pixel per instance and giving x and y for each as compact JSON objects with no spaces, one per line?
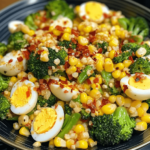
{"x":5,"y":3}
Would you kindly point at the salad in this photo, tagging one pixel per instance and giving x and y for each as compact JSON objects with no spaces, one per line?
{"x":76,"y":77}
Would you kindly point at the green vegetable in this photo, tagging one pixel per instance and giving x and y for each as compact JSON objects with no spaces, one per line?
{"x":15,"y":118}
{"x":83,"y":75}
{"x":101,"y":91}
{"x":115,"y":91}
{"x":50,"y":102}
{"x":4,"y":106}
{"x":4,"y":81}
{"x":46,"y":77}
{"x":67,"y":44}
{"x":112,"y":129}
{"x":140,"y":65}
{"x":73,"y":121}
{"x":77,"y":99}
{"x":103,"y":45}
{"x":3,"y":49}
{"x":30,"y":21}
{"x":84,"y":114}
{"x":32,"y":111}
{"x":68,"y":109}
{"x":66,"y":121}
{"x":16,"y":41}
{"x":39,"y":68}
{"x":56,"y":8}
{"x":59,"y":72}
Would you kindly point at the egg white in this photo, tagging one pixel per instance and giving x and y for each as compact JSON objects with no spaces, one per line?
{"x":134,"y":93}
{"x":12,"y":25}
{"x":31,"y":103}
{"x":59,"y":92}
{"x":82,"y":12}
{"x":44,"y":137}
{"x":13,"y":68}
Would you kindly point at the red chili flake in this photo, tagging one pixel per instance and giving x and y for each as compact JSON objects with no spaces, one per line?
{"x":75,"y":32}
{"x":117,"y":84}
{"x":66,"y":66}
{"x":100,"y":50}
{"x":43,"y":19}
{"x":43,"y":86}
{"x":74,"y":40}
{"x":65,"y":91}
{"x":104,"y":102}
{"x":131,"y":58}
{"x":116,"y":54}
{"x":59,"y":28}
{"x":96,"y":80}
{"x":20,"y":59}
{"x":65,"y":22}
{"x":106,"y":15}
{"x":35,"y":89}
{"x":28,"y":93}
{"x":84,"y":17}
{"x":88,"y":81}
{"x":125,"y":87}
{"x":61,"y":86}
{"x":131,"y":40}
{"x":32,"y":48}
{"x":40,"y":51}
{"x":45,"y":28}
{"x":51,"y":81}
{"x":28,"y":125}
{"x":86,"y":53}
{"x":26,"y":54}
{"x":11,"y":60}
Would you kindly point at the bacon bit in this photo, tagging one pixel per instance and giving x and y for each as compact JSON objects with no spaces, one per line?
{"x":83,"y":17}
{"x":93,"y":33}
{"x":84,"y":120}
{"x":74,"y":40}
{"x":40,"y":51}
{"x":131,"y":40}
{"x":49,"y":67}
{"x":104,"y":102}
{"x":91,"y":38}
{"x":131,"y":58}
{"x":51,"y":81}
{"x":43,"y":19}
{"x":23,"y":79}
{"x":61,"y":86}
{"x":100,"y":50}
{"x":106,"y":15}
{"x":26,"y":54}
{"x":128,"y":74}
{"x":77,"y":54}
{"x":75,"y":32}
{"x":116,"y":54}
{"x":92,"y":106}
{"x":32,"y":48}
{"x":63,"y":82}
{"x":86,"y":53}
{"x":43,"y":86}
{"x":20,"y":59}
{"x":65,"y":91}
{"x":117,"y":84}
{"x":59,"y":37}
{"x":96,"y":80}
{"x":133,"y":54}
{"x":59,"y":28}
{"x":89,"y":81}
{"x":41,"y":81}
{"x":125,"y":87}
{"x":11,"y":60}
{"x":28,"y":93}
{"x":66,"y":66}
{"x":70,"y":77}
{"x":45,"y":28}
{"x":78,"y":70}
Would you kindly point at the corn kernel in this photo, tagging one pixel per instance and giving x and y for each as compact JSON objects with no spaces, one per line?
{"x":114,"y":20}
{"x":82,"y":40}
{"x":58,"y":142}
{"x":83,"y":98}
{"x":51,"y":143}
{"x":79,"y":128}
{"x":62,"y":78}
{"x":67,"y":30}
{"x":122,"y":34}
{"x":95,"y":93}
{"x":44,"y":56}
{"x":79,"y":64}
{"x":1,"y":56}
{"x":33,"y":79}
{"x":100,"y":78}
{"x":108,"y":66}
{"x":56,"y":32}
{"x":69,"y":143}
{"x":31,"y":32}
{"x":108,"y":60}
{"x":91,"y":79}
{"x":95,"y":86}
{"x":82,"y":33}
{"x":61,"y":103}
{"x":127,"y":63}
{"x":73,"y":60}
{"x":91,"y":48}
{"x":136,"y":104}
{"x":13,"y":79}
{"x":119,"y":66}
{"x":140,"y":111}
{"x":25,"y":29}
{"x":146,"y":118}
{"x":80,"y":27}
{"x":90,"y":98}
{"x":112,"y":98}
{"x":77,"y":8}
{"x":116,"y":74}
{"x":87,"y":29}
{"x":82,"y":144}
{"x":66,"y":36}
{"x":86,"y":86}
{"x":51,"y":28}
{"x":71,"y":70}
{"x":113,"y":42}
{"x":145,"y":106}
{"x":122,"y":75}
{"x":141,"y":126}
{"x":91,"y":142}
{"x":99,"y":56}
{"x":112,"y":54}
{"x":24,"y":131}
{"x":120,"y":100}
{"x":109,"y":108}
{"x":127,"y":102}
{"x":113,"y":37}
{"x":99,"y":65}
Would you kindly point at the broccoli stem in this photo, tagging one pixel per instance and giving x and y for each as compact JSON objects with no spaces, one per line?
{"x":83,"y":75}
{"x":15,"y":118}
{"x":32,"y":111}
{"x":67,"y":119}
{"x":73,"y":121}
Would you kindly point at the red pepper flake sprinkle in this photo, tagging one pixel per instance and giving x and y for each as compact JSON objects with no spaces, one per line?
{"x":96,"y":80}
{"x":20,"y":59}
{"x":131,"y":40}
{"x":11,"y":60}
{"x":40,"y":51}
{"x":26,"y":54}
{"x":45,"y":28}
{"x":32,"y":48}
{"x":104,"y":102}
{"x":66,"y":66}
{"x":61,"y":86}
{"x":106,"y":15}
{"x":75,"y":32}
{"x":23,"y":79}
{"x":74,"y":40}
{"x":65,"y":91}
{"x":100,"y":50}
{"x":28,"y":93}
{"x":131,"y":58}
{"x":125,"y":87}
{"x":59,"y":28}
{"x":117,"y":84}
{"x":88,"y":81}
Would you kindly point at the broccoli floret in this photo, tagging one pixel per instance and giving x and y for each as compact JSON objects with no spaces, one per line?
{"x":115,"y":91}
{"x":50,"y":102}
{"x":16,"y":41}
{"x":30,"y":21}
{"x":68,"y":109}
{"x":140,"y":65}
{"x":39,"y":68}
{"x":111,"y":129}
{"x":103,"y":45}
{"x":4,"y":81}
{"x":4,"y":106}
{"x":123,"y":56}
{"x":56,"y":8}
{"x":84,"y":114}
{"x":67,"y":44}
{"x":3,"y":49}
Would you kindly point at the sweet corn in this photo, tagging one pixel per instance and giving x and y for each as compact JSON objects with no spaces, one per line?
{"x":91,"y":142}
{"x":33,"y":79}
{"x":69,"y":143}
{"x":79,"y":64}
{"x":138,"y":120}
{"x":24,"y":131}
{"x":145,"y":106}
{"x":120,"y":100}
{"x":112,"y":98}
{"x":116,"y":74}
{"x":109,"y":108}
{"x":108,"y":66}
{"x":82,"y":144}
{"x":122,"y":75}
{"x":127,"y":102}
{"x":99,"y":65}
{"x":100,"y":78}
{"x":80,"y":27}
{"x":61,"y":103}
{"x":127,"y":63}
{"x":13,"y":79}
{"x":32,"y":117}
{"x":25,"y":29}
{"x":91,"y":79}
{"x":136,"y":104}
{"x":91,"y":48}
{"x":83,"y":98}
{"x":31,"y":32}
{"x":67,"y":30}
{"x":1,"y":56}
{"x":114,"y":20}
{"x":51,"y":28}
{"x":95,"y":86}
{"x":73,"y":60}
{"x":112,"y":54}
{"x":99,"y":56}
{"x":58,"y":142}
{"x":146,"y":118}
{"x":66,"y":36}
{"x":79,"y":128}
{"x":44,"y":56}
{"x":87,"y":29}
{"x":62,"y":78}
{"x":122,"y":34}
{"x":90,"y":98}
{"x":119,"y":66}
{"x":56,"y":32}
{"x":82,"y":40}
{"x":71,"y":70}
{"x":108,"y":60}
{"x":141,"y":126}
{"x":140,"y":111}
{"x":51,"y":143}
{"x":95,"y":93}
{"x":113,"y":42}
{"x":86,"y":86}
{"x":100,"y":113}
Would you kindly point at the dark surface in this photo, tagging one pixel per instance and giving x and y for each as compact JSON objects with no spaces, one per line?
{"x":19,"y":12}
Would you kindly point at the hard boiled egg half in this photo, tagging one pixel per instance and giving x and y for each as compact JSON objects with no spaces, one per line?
{"x":13,"y":63}
{"x":47,"y":124}
{"x":93,"y":11}
{"x":23,"y":97}
{"x":136,"y":88}
{"x":62,"y":89}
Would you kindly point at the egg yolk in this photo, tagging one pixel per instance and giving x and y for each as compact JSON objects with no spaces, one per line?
{"x":93,"y":10}
{"x":45,"y":120}
{"x":144,"y":85}
{"x":21,"y":96}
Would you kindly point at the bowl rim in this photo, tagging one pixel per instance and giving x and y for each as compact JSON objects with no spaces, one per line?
{"x":22,"y":1}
